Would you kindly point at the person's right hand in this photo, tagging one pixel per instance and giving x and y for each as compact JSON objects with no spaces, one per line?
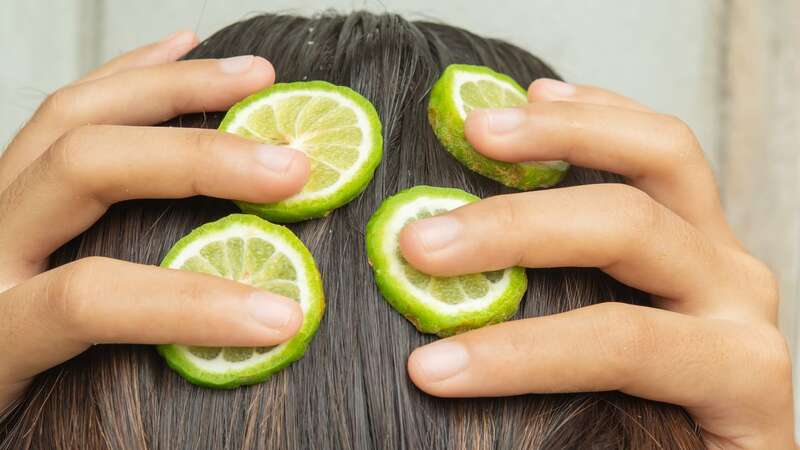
{"x":87,"y":147}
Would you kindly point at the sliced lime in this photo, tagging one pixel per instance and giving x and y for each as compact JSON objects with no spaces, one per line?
{"x":250,"y":250}
{"x":438,"y":305}
{"x":338,"y":129}
{"x":459,"y":90}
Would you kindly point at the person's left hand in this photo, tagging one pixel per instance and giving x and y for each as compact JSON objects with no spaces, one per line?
{"x":711,"y":345}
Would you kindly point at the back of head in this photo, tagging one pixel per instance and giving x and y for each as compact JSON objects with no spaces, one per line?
{"x":351,"y":389}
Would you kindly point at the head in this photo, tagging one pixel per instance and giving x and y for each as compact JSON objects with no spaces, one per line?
{"x":351,"y":390}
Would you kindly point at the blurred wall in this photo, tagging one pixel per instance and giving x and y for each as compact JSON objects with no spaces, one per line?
{"x":727,"y":67}
{"x":666,"y":54}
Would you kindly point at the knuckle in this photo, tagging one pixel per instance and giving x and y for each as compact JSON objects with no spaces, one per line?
{"x":635,"y":200}
{"x":181,"y":102}
{"x":205,"y":141}
{"x":509,"y":216}
{"x":756,"y":280}
{"x":624,"y":337}
{"x":778,"y":359}
{"x":66,"y":155}
{"x":770,"y":352}
{"x":568,"y":112}
{"x":193,"y":289}
{"x":642,"y":212}
{"x":505,"y":210}
{"x":683,"y":143}
{"x":68,"y":295}
{"x":60,"y":103}
{"x":638,"y":212}
{"x":763,"y":280}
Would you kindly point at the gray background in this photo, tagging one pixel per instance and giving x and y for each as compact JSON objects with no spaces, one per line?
{"x":727,"y":67}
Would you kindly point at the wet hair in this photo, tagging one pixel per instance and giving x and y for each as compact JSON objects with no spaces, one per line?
{"x":351,"y":390}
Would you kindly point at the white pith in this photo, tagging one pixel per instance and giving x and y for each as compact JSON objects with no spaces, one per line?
{"x":244,"y":231}
{"x":389,"y":236}
{"x":461,"y":77}
{"x":363,"y":124}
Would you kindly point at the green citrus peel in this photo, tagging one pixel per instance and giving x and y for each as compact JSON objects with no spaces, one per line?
{"x":459,"y":90}
{"x":337,"y":128}
{"x":437,"y":305}
{"x":249,"y":250}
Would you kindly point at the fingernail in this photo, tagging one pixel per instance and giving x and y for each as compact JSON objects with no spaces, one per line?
{"x":504,"y":120}
{"x":236,"y":64}
{"x":555,"y":87}
{"x":441,"y":360}
{"x":275,"y":159}
{"x":178,"y":44}
{"x":437,"y":233}
{"x":272,"y":312}
{"x":178,"y":38}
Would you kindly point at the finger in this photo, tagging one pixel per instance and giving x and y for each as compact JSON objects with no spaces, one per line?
{"x":546,"y":89}
{"x":614,"y":227}
{"x":658,"y":154}
{"x":58,"y":314}
{"x":141,"y":96}
{"x":166,"y":50}
{"x":645,"y":352}
{"x":94,"y":166}
{"x":154,"y":94}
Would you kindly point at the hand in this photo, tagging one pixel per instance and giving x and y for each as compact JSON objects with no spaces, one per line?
{"x":58,"y":169}
{"x":711,"y":347}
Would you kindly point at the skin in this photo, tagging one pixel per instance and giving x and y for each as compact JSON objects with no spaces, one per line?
{"x":60,"y":168}
{"x":711,"y":344}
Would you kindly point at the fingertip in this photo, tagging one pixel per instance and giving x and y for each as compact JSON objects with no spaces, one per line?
{"x":490,"y":131}
{"x":194,"y":39}
{"x":297,"y":174}
{"x":179,"y":44}
{"x":413,"y":249}
{"x":281,"y":317}
{"x":535,"y":89}
{"x":550,"y":89}
{"x":431,"y":244}
{"x":286,"y":171}
{"x":265,"y":69}
{"x":295,"y":319}
{"x":259,"y":75}
{"x":179,"y":37}
{"x":246,"y":73}
{"x":408,"y":242}
{"x":415,"y":371}
{"x":434,"y":368}
{"x":476,"y":127}
{"x":301,"y":168}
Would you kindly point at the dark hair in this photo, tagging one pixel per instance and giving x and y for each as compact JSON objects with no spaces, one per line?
{"x":351,"y":389}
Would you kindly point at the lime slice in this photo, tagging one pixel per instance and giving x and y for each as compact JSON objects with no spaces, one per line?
{"x":250,"y":250}
{"x":338,"y":129}
{"x":459,"y":90}
{"x":438,"y":305}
